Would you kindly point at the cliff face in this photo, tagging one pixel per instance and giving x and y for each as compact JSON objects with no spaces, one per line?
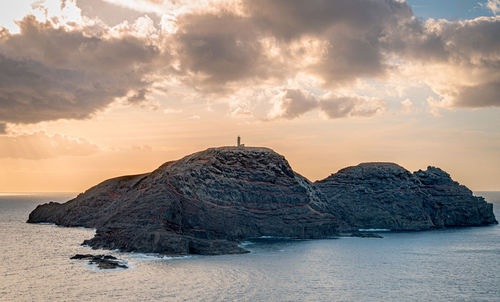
{"x":450,"y":204}
{"x":206,"y":202}
{"x":387,"y":196}
{"x":202,"y":203}
{"x":377,"y":195}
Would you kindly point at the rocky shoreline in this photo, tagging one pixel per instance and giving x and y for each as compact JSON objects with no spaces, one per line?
{"x":208,"y":202}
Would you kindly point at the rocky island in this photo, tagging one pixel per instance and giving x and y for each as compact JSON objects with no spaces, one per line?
{"x":208,"y":202}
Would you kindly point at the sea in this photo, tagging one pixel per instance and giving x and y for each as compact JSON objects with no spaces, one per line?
{"x":458,"y":264}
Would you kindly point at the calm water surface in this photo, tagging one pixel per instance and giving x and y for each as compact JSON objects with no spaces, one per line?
{"x":445,"y":265}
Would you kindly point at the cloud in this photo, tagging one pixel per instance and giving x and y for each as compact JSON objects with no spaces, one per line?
{"x":469,"y":74}
{"x":350,"y":106}
{"x":289,"y":19}
{"x":493,"y":5}
{"x":292,"y":103}
{"x":171,"y":110}
{"x":173,"y":7}
{"x":353,"y":30}
{"x":49,"y":72}
{"x":71,"y":68}
{"x":40,"y":145}
{"x":109,"y":13}
{"x":3,"y":128}
{"x":215,"y":50}
{"x":435,"y":106}
{"x":138,"y":97}
{"x":270,"y":41}
{"x":406,"y":106}
{"x":483,"y":94}
{"x":339,"y":42}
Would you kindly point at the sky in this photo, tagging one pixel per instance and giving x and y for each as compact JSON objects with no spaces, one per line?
{"x":93,"y":89}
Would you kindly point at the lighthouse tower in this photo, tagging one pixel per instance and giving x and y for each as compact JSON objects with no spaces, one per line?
{"x":239,"y":144}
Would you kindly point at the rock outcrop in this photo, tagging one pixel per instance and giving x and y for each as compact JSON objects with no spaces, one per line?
{"x":387,"y":196}
{"x":102,"y":261}
{"x":450,"y":204}
{"x":206,"y":202}
{"x":203,"y":203}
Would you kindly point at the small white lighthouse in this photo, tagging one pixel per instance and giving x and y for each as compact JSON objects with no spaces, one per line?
{"x":239,"y":144}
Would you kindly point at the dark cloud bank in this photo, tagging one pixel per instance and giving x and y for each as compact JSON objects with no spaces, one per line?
{"x":48,"y":72}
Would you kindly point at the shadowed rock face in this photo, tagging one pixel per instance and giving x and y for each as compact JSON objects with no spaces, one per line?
{"x":450,"y":204}
{"x":387,"y":196}
{"x":206,"y":202}
{"x":202,"y":204}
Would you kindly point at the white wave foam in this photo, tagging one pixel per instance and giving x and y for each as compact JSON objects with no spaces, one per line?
{"x":246,"y":243}
{"x":153,"y":256}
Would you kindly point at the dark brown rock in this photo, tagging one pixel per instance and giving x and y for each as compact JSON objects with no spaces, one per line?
{"x":102,"y":261}
{"x":387,"y":196}
{"x":203,"y":204}
{"x":450,"y":204}
{"x":207,"y":202}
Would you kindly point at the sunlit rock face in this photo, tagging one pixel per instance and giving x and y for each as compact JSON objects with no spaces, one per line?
{"x":387,"y":196}
{"x":207,"y":202}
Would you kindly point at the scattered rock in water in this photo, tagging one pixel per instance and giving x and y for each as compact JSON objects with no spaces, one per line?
{"x":102,"y":261}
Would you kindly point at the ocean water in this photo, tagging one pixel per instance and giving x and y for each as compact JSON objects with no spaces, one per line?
{"x":460,"y":264}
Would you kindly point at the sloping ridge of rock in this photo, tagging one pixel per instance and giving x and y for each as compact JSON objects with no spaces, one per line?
{"x":387,"y":196}
{"x":203,"y":203}
{"x":207,"y":202}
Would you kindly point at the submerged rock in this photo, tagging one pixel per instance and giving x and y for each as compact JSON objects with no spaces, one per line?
{"x":207,"y":202}
{"x":102,"y":261}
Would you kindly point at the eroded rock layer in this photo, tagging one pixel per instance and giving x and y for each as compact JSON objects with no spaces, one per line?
{"x":387,"y":196}
{"x":206,"y":202}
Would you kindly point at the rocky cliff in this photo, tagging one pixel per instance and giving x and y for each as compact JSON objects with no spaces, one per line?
{"x":205,"y":203}
{"x":387,"y":196}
